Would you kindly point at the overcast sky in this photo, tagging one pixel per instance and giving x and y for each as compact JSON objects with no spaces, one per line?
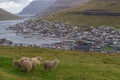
{"x":14,"y":6}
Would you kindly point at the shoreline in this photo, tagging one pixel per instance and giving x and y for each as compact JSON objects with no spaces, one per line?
{"x":89,"y":38}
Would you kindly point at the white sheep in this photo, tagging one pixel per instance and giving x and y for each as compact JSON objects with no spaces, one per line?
{"x":24,"y":58}
{"x":17,"y":63}
{"x":36,"y":61}
{"x":26,"y":65}
{"x":50,"y":64}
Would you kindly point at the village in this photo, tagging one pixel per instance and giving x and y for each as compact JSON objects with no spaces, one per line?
{"x":85,"y":38}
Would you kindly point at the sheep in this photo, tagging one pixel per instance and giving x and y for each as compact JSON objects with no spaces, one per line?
{"x":24,"y":58}
{"x":27,"y":65}
{"x":50,"y":64}
{"x":24,"y":64}
{"x":36,"y":61}
{"x":17,"y":63}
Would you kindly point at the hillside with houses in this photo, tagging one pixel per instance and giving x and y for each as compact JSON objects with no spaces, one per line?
{"x":68,"y":26}
{"x":85,"y":38}
{"x":60,"y":40}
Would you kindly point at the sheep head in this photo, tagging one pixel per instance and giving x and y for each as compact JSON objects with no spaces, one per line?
{"x":56,"y":60}
{"x":39,"y":58}
{"x":17,"y":63}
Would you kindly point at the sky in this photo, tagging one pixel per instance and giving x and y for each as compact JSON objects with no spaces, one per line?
{"x":14,"y":6}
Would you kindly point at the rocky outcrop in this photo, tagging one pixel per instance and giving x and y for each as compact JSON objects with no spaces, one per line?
{"x":96,"y":13}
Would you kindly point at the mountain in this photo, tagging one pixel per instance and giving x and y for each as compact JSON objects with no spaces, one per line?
{"x":4,"y":15}
{"x":63,"y":4}
{"x":36,"y":7}
{"x":93,"y":12}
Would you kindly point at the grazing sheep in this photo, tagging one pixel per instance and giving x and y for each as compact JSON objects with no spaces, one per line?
{"x":27,"y":65}
{"x":50,"y":64}
{"x":24,"y":58}
{"x":17,"y":63}
{"x":36,"y":61}
{"x":24,"y":64}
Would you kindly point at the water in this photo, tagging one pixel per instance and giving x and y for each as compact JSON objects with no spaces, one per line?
{"x":11,"y":35}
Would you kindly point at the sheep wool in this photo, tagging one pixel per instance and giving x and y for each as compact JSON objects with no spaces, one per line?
{"x":27,"y":65}
{"x":24,"y":58}
{"x":17,"y":63}
{"x":36,"y":61}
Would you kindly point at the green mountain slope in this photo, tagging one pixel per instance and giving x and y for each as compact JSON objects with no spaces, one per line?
{"x":74,"y":65}
{"x":4,"y":15}
{"x":94,"y":13}
{"x":62,"y":4}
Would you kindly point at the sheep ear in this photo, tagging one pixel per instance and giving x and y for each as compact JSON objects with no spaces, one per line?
{"x":57,"y":60}
{"x":39,"y":58}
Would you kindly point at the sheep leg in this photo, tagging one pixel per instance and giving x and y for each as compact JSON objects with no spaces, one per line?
{"x":45,"y":68}
{"x":25,"y":69}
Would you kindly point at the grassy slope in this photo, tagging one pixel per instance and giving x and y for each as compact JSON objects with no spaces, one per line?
{"x":75,"y":19}
{"x":4,"y":15}
{"x":62,"y":4}
{"x":73,"y":66}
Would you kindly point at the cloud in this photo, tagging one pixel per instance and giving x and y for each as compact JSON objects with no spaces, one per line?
{"x":14,"y":6}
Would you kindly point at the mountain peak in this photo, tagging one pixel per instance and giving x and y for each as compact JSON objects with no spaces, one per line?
{"x":36,"y":7}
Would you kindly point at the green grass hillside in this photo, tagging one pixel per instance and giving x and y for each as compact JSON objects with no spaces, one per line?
{"x":74,"y":65}
{"x":62,"y":4}
{"x":71,"y":17}
{"x":4,"y":15}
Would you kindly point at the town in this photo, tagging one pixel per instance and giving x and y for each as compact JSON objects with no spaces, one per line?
{"x":86,"y":38}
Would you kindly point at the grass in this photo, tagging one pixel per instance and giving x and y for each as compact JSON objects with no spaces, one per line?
{"x":74,"y":65}
{"x":4,"y":15}
{"x":85,"y":20}
{"x":89,"y":20}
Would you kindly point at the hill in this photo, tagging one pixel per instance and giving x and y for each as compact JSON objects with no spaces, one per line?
{"x":4,"y":15}
{"x":94,"y":13}
{"x":36,"y":7}
{"x":62,"y":4}
{"x":73,"y":65}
